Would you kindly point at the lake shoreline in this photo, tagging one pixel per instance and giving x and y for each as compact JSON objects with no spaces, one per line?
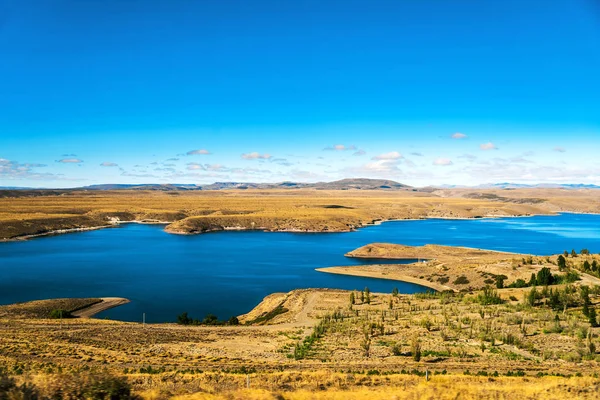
{"x":115,"y":224}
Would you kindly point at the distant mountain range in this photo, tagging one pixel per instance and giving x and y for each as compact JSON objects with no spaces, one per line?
{"x":343,"y":184}
{"x":508,"y":185}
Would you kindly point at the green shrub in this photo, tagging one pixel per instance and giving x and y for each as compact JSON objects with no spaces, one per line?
{"x":489,"y":296}
{"x":59,"y":313}
{"x":461,"y":280}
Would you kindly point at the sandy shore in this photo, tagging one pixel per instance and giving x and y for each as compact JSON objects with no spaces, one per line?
{"x":107,"y":303}
{"x":376,"y":274}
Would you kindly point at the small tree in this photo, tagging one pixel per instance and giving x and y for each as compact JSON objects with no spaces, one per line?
{"x":584,"y":252}
{"x":367,"y":296}
{"x":183,"y":319}
{"x":592,"y":317}
{"x":544,"y":277}
{"x":532,"y":280}
{"x":573,"y":253}
{"x":531,"y":297}
{"x":352,"y":299}
{"x":561,"y":262}
{"x":210,"y":319}
{"x":395,"y":291}
{"x":500,"y":281}
{"x":415,"y":349}
{"x":586,"y":265}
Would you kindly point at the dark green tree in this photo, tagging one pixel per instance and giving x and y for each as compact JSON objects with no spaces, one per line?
{"x":532,"y":280}
{"x":573,"y":253}
{"x":210,"y":319}
{"x":586,"y":265}
{"x":561,"y":262}
{"x":500,"y":281}
{"x":544,"y":277}
{"x":592,"y":318}
{"x":183,"y":319}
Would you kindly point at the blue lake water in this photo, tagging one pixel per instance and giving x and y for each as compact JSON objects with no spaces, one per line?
{"x":228,"y":273}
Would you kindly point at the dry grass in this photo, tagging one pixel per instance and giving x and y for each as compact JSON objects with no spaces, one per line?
{"x":457,"y":335}
{"x":409,"y":387}
{"x":301,"y":210}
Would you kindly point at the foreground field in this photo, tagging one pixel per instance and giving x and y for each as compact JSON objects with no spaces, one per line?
{"x":334,"y":344}
{"x":24,"y":214}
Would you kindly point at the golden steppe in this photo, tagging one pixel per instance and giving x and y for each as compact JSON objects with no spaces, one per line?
{"x":460,"y":343}
{"x":24,"y":214}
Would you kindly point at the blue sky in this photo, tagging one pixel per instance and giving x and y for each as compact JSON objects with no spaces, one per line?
{"x":422,"y":92}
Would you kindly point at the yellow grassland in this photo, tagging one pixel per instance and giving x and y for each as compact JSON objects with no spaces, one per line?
{"x":296,"y":210}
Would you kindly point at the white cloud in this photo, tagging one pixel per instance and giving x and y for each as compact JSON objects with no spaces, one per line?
{"x":560,"y":149}
{"x":340,"y":147}
{"x":195,"y":167}
{"x":109,"y":164}
{"x":70,"y":161}
{"x":199,"y":152}
{"x":443,"y":161}
{"x":488,"y":146}
{"x":392,"y":155}
{"x":256,"y":156}
{"x":15,"y":170}
{"x":458,"y":135}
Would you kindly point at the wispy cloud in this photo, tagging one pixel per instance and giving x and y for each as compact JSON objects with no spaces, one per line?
{"x":417,"y":154}
{"x":468,"y":157}
{"x":15,"y":170}
{"x":488,"y":146}
{"x":560,"y":149}
{"x":443,"y":162}
{"x":392,"y":155}
{"x":70,"y":161}
{"x":199,"y":152}
{"x":281,"y":161}
{"x":256,"y":156}
{"x":340,"y":147}
{"x":109,"y":164}
{"x":359,"y":152}
{"x":458,"y":135}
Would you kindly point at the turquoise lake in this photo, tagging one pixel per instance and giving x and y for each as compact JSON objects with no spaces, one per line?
{"x":228,"y":273}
